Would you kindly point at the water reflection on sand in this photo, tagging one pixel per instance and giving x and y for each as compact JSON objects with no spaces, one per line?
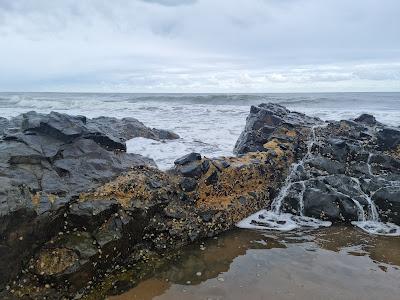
{"x":331,"y":263}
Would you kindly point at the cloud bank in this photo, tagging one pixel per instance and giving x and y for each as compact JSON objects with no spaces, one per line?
{"x":200,"y":46}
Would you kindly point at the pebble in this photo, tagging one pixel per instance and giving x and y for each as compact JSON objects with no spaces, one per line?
{"x":198,"y":273}
{"x":221,"y":279}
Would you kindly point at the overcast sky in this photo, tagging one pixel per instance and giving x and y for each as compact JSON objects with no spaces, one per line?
{"x":199,"y":45}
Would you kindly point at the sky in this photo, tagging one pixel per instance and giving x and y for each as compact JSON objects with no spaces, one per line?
{"x":221,"y":46}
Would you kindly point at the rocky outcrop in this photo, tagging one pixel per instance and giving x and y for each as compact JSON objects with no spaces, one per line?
{"x":126,"y":128}
{"x":348,"y":164}
{"x":262,"y":123}
{"x":46,"y":161}
{"x":149,"y":211}
{"x":80,"y":226}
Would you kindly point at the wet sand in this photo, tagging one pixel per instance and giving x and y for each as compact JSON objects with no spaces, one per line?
{"x":331,"y":263}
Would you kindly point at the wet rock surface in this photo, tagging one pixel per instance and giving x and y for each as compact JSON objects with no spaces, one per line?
{"x":46,"y":161}
{"x":350,"y":165}
{"x":262,"y":125}
{"x":66,"y":246}
{"x":146,"y":213}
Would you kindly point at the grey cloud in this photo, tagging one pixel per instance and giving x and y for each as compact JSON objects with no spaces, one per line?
{"x":251,"y":45}
{"x":171,"y":2}
{"x":379,"y":75}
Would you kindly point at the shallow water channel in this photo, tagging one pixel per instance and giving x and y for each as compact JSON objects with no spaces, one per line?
{"x":338,"y":262}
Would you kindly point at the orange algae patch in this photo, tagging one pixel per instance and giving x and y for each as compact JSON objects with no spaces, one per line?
{"x":274,"y":145}
{"x":247,"y":176}
{"x":134,"y":185}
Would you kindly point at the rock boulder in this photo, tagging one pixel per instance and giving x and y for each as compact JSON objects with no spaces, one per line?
{"x":46,"y":161}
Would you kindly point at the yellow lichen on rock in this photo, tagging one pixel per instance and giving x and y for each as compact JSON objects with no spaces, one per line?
{"x":136,"y":184}
{"x":245,"y":176}
{"x":51,"y":198}
{"x":396,"y":152}
{"x":36,"y":198}
{"x":291,"y":133}
{"x":275,"y":146}
{"x":55,"y":261}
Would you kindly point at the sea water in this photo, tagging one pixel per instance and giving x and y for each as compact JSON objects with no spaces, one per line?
{"x":207,"y":123}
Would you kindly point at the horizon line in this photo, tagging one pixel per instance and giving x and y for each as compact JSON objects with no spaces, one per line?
{"x":197,"y":93}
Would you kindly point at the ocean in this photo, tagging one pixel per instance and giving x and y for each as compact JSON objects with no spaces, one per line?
{"x":207,"y":123}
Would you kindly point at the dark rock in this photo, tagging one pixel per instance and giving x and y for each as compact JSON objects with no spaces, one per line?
{"x":262,"y":122}
{"x":366,"y":119}
{"x":91,"y":214}
{"x":56,"y":125}
{"x":162,"y":134}
{"x":388,"y":138}
{"x":383,"y":163}
{"x":191,"y":157}
{"x":343,"y":184}
{"x":155,"y":184}
{"x":213,"y":178}
{"x":207,"y":215}
{"x":110,"y":235}
{"x":327,"y":165}
{"x":81,"y":242}
{"x":337,"y":149}
{"x":337,"y":143}
{"x":220,"y":164}
{"x":46,"y":161}
{"x":192,"y":169}
{"x":188,"y":184}
{"x":329,"y":206}
{"x":344,"y":165}
{"x":112,"y":131}
{"x":388,"y":201}
{"x":128,"y":128}
{"x":205,"y":165}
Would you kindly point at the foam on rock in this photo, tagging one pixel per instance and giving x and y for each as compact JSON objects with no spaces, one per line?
{"x":347,"y":173}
